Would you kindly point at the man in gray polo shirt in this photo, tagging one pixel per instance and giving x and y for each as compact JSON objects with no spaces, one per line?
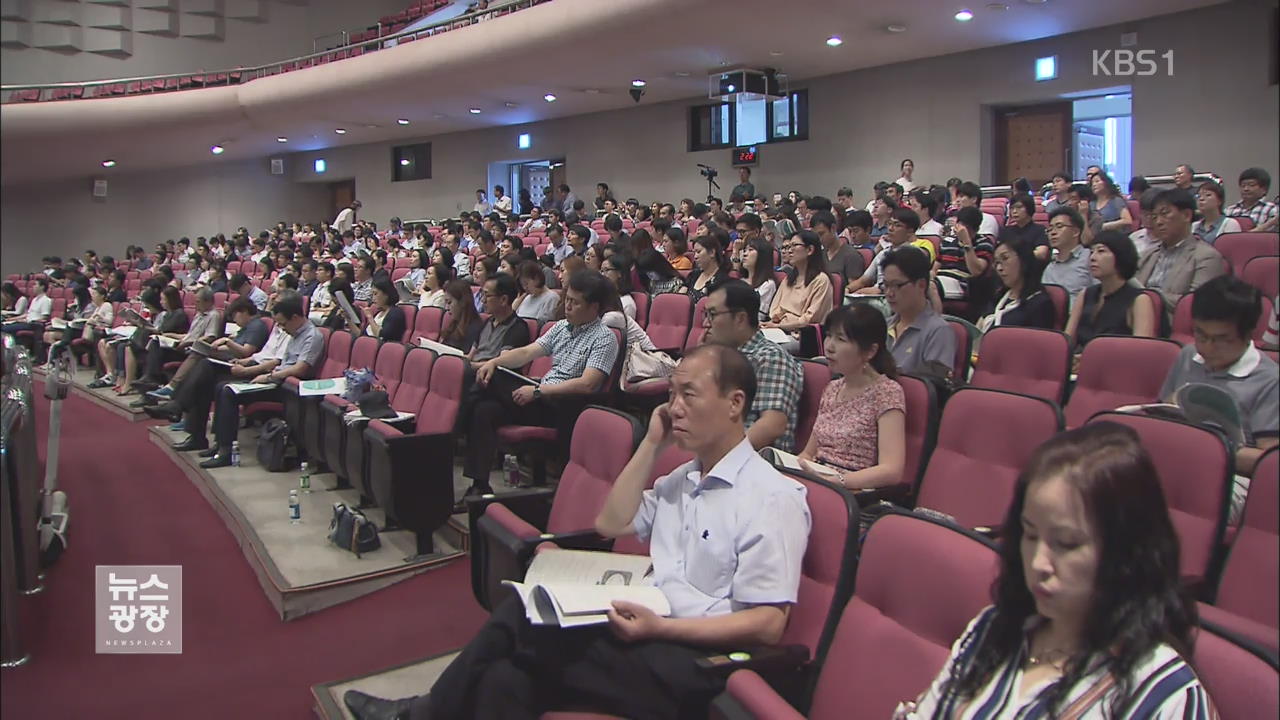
{"x":1224,"y":313}
{"x":503,"y":330}
{"x":1070,"y":265}
{"x":919,"y":338}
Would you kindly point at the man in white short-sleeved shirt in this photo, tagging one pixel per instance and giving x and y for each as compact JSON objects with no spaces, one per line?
{"x":727,"y":544}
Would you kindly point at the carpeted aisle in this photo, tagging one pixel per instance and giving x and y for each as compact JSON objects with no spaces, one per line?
{"x":130,"y":505}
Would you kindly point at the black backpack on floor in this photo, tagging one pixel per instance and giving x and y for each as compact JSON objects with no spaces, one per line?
{"x":273,"y":444}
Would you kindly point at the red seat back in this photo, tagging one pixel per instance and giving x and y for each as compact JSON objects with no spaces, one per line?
{"x":1195,"y":468}
{"x":337,"y":355}
{"x":1061,"y":303}
{"x":1242,"y":681}
{"x":696,"y":330}
{"x":964,"y":348}
{"x":410,"y":319}
{"x":642,"y":308}
{"x":984,"y":440}
{"x":1239,"y":248}
{"x":364,"y":352}
{"x":389,"y":367}
{"x":1119,"y":370}
{"x":896,"y":632}
{"x":602,"y":444}
{"x":1263,"y":272}
{"x":816,"y":378}
{"x":1250,"y":584}
{"x":1031,"y":361}
{"x":669,"y":320}
{"x":415,"y":380}
{"x":439,"y":411}
{"x":427,"y":324}
{"x":1182,"y":331}
{"x":921,"y":427}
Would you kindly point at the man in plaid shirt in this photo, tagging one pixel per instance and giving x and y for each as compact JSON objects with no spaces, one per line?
{"x":1254,"y":185}
{"x":732,"y":317}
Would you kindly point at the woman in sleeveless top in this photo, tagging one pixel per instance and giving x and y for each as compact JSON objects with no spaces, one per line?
{"x":1114,"y":306}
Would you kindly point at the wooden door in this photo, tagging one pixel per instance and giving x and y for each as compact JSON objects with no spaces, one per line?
{"x":341,"y":194}
{"x":558,"y":174}
{"x":1033,"y":142}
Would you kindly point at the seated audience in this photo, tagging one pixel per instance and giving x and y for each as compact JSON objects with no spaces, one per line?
{"x":969,"y":194}
{"x":337,"y":318}
{"x":1070,"y":264}
{"x":462,"y":323}
{"x":657,"y":275}
{"x":362,"y":286}
{"x":731,"y":317}
{"x":618,"y":268}
{"x":385,"y":318}
{"x":35,"y":313}
{"x":434,"y":280}
{"x":1113,"y":305}
{"x":919,"y":338}
{"x":964,"y":259}
{"x":860,"y":429}
{"x":921,"y":203}
{"x":1109,"y":203}
{"x":240,"y":284}
{"x":902,"y":231}
{"x":711,"y":267}
{"x":674,"y":247}
{"x":1210,"y":198}
{"x":536,"y":301}
{"x":841,"y":258}
{"x":1224,"y":314}
{"x":1024,"y":301}
{"x":582,"y":352}
{"x":644,"y":665}
{"x":1143,"y":240}
{"x":1089,"y":617}
{"x":1022,"y":209}
{"x":1137,"y":186}
{"x":503,"y":330}
{"x":1255,"y":183}
{"x":805,"y":296}
{"x":1058,"y":195}
{"x":1181,"y":262}
{"x":206,"y":325}
{"x":757,"y":270}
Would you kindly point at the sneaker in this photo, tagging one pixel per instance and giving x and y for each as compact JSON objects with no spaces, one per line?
{"x":165,"y":392}
{"x":102,"y":382}
{"x":179,"y":426}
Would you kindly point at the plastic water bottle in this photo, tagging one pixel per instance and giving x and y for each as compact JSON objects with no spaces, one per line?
{"x":304,"y":481}
{"x":295,"y":508}
{"x":511,"y":466}
{"x":235,"y":453}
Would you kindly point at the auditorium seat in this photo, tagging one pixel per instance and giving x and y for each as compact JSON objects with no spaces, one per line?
{"x":669,"y":321}
{"x":964,"y":332}
{"x":1248,"y":596}
{"x":895,"y":633}
{"x":312,"y":438}
{"x":1118,"y":370}
{"x":506,"y":528}
{"x":1061,"y":304}
{"x":1239,"y":248}
{"x":642,"y":308}
{"x":427,"y":324}
{"x":1195,"y":466}
{"x":412,"y":473}
{"x":1024,"y":360}
{"x":696,"y":329}
{"x":817,"y":376}
{"x":387,"y":368}
{"x":410,"y":391}
{"x":1181,"y":332}
{"x":922,"y":416}
{"x":1241,"y":678}
{"x":410,"y":319}
{"x":984,"y":440}
{"x":1263,"y":272}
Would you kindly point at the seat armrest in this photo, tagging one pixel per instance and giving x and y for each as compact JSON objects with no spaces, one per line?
{"x":404,"y":447}
{"x":532,"y":505}
{"x":748,"y":697}
{"x":578,"y":540}
{"x":767,"y":659}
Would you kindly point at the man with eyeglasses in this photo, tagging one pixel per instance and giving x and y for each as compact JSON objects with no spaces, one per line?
{"x":1181,"y":262}
{"x":903,"y":225}
{"x":920,"y":340}
{"x":1070,"y":265}
{"x":1224,"y":313}
{"x":732,"y":317}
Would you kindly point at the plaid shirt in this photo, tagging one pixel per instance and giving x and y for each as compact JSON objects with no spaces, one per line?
{"x":779,"y":381}
{"x":1261,"y":212}
{"x":573,"y":350}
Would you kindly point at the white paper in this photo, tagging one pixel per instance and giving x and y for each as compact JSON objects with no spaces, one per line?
{"x":326,"y":386}
{"x":123,"y":331}
{"x":777,"y":335}
{"x":792,"y":462}
{"x":166,"y":341}
{"x":439,"y":347}
{"x":245,"y":388}
{"x":232,"y":328}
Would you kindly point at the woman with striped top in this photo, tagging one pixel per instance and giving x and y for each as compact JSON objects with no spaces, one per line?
{"x":1089,"y":620}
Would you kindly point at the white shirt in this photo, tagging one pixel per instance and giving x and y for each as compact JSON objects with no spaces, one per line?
{"x":907,"y":185}
{"x":630,"y":329}
{"x":989,"y":226}
{"x":1142,"y":241}
{"x":503,"y":204}
{"x":628,"y":305}
{"x":766,"y":291}
{"x":40,"y":309}
{"x":345,"y":220}
{"x":482,"y":208}
{"x":258,"y":297}
{"x":275,"y":346}
{"x":725,"y":539}
{"x":932,"y":227}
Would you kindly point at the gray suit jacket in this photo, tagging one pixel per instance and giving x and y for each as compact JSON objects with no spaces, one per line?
{"x":1191,"y":264}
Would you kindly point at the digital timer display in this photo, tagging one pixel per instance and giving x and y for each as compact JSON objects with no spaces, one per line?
{"x":745,"y":156}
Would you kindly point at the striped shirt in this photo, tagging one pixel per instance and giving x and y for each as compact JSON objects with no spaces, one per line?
{"x":779,"y":381}
{"x":1261,"y":212}
{"x":1163,"y":686}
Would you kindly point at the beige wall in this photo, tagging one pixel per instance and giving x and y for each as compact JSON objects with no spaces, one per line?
{"x":286,"y":31}
{"x":1217,"y":113}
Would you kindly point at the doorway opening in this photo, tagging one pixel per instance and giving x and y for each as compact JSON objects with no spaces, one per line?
{"x":539,"y":177}
{"x":1103,"y":135}
{"x":1093,"y":127}
{"x":341,"y":194}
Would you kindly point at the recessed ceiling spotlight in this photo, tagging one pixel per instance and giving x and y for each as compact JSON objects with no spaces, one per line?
{"x":217,"y":149}
{"x":964,"y":15}
{"x":1035,"y":2}
{"x":108,"y":163}
{"x":282,"y":139}
{"x":896,"y":28}
{"x":682,"y":73}
{"x":340,"y":131}
{"x":404,"y":161}
{"x":402,"y":121}
{"x":997,"y":7}
{"x":638,"y":83}
{"x":775,"y":53}
{"x":549,"y":97}
{"x":834,"y":41}
{"x":592,"y":91}
{"x":438,"y":116}
{"x":509,"y":104}
{"x":474,"y":111}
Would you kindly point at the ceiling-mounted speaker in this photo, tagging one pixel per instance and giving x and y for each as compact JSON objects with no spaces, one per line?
{"x":277,"y":166}
{"x":99,"y":187}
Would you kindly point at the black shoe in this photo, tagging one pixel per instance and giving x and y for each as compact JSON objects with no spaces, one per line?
{"x":145,"y":385}
{"x":209,"y":451}
{"x":170,"y":411}
{"x":368,"y":707}
{"x":220,"y":460}
{"x":191,"y":443}
{"x":474,"y":491}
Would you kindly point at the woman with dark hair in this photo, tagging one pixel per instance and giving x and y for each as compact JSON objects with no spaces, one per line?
{"x":640,"y":241}
{"x":485,"y":268}
{"x":1137,"y":186}
{"x":432,"y":292}
{"x":805,"y":296}
{"x":594,"y":256}
{"x":13,"y":300}
{"x":218,"y":276}
{"x":617,"y":267}
{"x":1109,"y":204}
{"x":908,"y":168}
{"x":674,"y":247}
{"x":859,"y":437}
{"x":685,"y":212}
{"x":524,"y":202}
{"x":385,"y":319}
{"x":169,"y":319}
{"x":1113,"y":306}
{"x":462,"y":323}
{"x":1024,"y":301}
{"x":1090,"y":619}
{"x":757,"y":269}
{"x":337,"y":319}
{"x":535,"y":301}
{"x":657,"y":275}
{"x":711,"y":267}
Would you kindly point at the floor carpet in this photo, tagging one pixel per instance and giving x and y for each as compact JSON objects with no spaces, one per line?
{"x":130,"y":505}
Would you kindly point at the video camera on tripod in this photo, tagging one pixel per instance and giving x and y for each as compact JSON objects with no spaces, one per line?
{"x":710,"y":174}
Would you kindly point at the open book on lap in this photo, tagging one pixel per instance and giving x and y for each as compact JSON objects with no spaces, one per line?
{"x":785,"y":459}
{"x":571,"y":588}
{"x":439,"y":347}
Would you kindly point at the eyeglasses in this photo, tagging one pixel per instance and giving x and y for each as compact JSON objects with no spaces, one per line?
{"x":792,"y":246}
{"x":1206,"y":339}
{"x":894,"y":286}
{"x":710,"y":313}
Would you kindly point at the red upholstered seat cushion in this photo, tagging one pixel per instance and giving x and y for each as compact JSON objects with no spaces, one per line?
{"x":525,"y":433}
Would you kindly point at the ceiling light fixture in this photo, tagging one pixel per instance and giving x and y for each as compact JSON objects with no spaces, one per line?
{"x":217,"y":149}
{"x":404,"y":161}
{"x":340,"y":131}
{"x":282,"y":139}
{"x":549,"y":97}
{"x":592,"y":91}
{"x":834,"y":41}
{"x":965,"y":15}
{"x":402,"y":121}
{"x":775,"y":53}
{"x":1035,"y":2}
{"x":638,"y":83}
{"x":896,"y":28}
{"x":508,"y":104}
{"x":108,"y":163}
{"x":682,"y":73}
{"x":474,"y":111}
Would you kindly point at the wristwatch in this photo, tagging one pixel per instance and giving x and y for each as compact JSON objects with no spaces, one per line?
{"x":537,"y":393}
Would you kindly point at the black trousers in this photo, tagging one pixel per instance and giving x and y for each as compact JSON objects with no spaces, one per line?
{"x":195,"y":395}
{"x":513,"y":670}
{"x":493,"y":408}
{"x":156,"y":357}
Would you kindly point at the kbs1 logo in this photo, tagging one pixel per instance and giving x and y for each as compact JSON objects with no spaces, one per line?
{"x":1128,"y":63}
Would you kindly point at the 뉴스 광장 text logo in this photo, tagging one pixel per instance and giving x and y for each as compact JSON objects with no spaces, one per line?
{"x":1127,"y":63}
{"x":138,"y":609}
